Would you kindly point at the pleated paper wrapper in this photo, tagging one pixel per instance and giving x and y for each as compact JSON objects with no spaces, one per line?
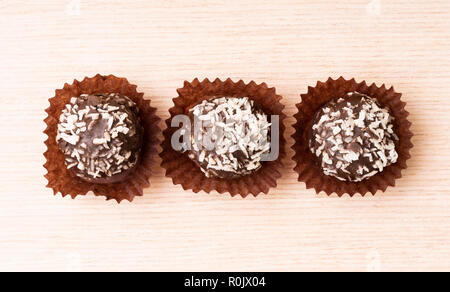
{"x":307,"y":167}
{"x":62,"y":180}
{"x":182,"y":170}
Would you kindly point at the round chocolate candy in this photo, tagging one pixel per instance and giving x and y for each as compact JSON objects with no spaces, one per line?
{"x":229,"y":135}
{"x":353,"y":137}
{"x":100,"y":136}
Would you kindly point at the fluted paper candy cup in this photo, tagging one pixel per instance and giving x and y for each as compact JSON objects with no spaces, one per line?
{"x":62,"y":180}
{"x":182,"y":170}
{"x":310,"y":172}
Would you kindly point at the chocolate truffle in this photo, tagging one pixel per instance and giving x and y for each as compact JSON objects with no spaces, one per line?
{"x":238,"y":132}
{"x":100,"y":136}
{"x":353,"y":137}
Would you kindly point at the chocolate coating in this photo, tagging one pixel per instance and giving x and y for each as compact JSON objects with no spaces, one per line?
{"x":239,"y":136}
{"x":100,"y":136}
{"x":353,"y":137}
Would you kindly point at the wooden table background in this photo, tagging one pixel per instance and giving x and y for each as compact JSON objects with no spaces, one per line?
{"x":287,"y":44}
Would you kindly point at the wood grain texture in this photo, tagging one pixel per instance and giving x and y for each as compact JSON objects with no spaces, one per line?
{"x":287,"y":44}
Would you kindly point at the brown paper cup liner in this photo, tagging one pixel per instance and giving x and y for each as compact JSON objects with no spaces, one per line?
{"x":311,"y":173}
{"x":62,"y":180}
{"x":184,"y":171}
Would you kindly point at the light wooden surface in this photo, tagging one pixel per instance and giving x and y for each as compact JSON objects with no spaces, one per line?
{"x":289,"y":45}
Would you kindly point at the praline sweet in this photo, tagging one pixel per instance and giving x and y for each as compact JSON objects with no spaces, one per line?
{"x":186,"y":172}
{"x":100,"y":136}
{"x":353,"y":137}
{"x":238,"y":132}
{"x":108,"y":96}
